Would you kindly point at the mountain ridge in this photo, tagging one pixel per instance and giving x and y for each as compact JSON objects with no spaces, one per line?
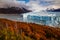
{"x":13,"y":10}
{"x":53,"y":10}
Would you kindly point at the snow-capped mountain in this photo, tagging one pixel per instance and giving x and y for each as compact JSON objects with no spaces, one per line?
{"x":53,"y":10}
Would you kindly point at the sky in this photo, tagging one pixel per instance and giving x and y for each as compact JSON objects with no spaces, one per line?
{"x":24,"y":0}
{"x":35,"y":5}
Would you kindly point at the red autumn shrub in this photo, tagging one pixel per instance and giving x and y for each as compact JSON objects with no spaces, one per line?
{"x":31,"y":30}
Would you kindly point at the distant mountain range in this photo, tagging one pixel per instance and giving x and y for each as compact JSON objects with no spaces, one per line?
{"x":53,"y":10}
{"x":13,"y":10}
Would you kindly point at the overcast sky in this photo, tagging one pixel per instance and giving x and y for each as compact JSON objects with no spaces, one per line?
{"x":35,"y":5}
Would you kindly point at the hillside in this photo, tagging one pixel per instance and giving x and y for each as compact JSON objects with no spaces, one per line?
{"x":13,"y":10}
{"x":11,"y":30}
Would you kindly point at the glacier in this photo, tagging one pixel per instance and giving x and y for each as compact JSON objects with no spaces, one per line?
{"x":43,"y":17}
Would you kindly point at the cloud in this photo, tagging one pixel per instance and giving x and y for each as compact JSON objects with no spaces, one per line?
{"x":37,"y":5}
{"x":12,"y":3}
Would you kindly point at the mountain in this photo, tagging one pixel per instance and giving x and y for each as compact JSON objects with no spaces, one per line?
{"x":13,"y":10}
{"x":12,"y":30}
{"x":54,"y":10}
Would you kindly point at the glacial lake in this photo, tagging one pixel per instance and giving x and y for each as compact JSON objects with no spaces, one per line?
{"x":35,"y":17}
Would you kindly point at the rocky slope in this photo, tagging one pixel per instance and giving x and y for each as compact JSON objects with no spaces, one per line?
{"x":11,"y":30}
{"x":13,"y":10}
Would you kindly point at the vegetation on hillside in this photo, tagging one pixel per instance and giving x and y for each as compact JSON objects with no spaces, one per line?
{"x":12,"y":30}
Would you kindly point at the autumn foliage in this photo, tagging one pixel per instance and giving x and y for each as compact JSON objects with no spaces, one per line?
{"x":12,"y":30}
